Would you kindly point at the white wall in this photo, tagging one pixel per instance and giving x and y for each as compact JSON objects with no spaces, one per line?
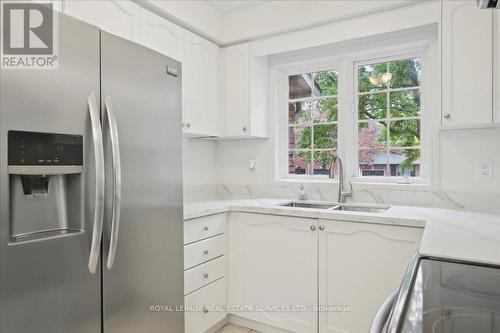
{"x":267,"y":19}
{"x":276,"y":17}
{"x":199,"y":169}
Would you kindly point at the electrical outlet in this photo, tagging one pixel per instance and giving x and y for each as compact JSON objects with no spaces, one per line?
{"x":486,"y":169}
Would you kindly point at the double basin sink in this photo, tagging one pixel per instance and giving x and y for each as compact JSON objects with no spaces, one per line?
{"x":336,"y":206}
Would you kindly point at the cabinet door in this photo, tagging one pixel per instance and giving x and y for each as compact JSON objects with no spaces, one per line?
{"x":467,"y":63}
{"x":496,"y":83}
{"x":360,"y":264}
{"x":273,"y":263}
{"x":199,"y":86}
{"x":161,"y":35}
{"x":237,"y":90}
{"x":121,"y":18}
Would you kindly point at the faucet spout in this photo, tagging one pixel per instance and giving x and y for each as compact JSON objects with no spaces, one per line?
{"x":343,"y":192}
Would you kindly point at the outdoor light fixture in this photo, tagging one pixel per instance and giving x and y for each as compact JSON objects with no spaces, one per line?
{"x":386,"y":77}
{"x":380,"y":79}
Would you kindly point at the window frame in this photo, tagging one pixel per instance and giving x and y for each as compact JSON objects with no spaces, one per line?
{"x":312,"y":124}
{"x":345,"y":63}
{"x":424,"y":165}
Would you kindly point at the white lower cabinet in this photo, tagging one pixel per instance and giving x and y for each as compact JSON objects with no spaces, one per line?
{"x":273,"y":263}
{"x":205,"y":270}
{"x":205,"y":307}
{"x":360,"y":264}
{"x":338,"y":273}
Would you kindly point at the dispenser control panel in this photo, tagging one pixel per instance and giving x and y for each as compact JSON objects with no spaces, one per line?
{"x":32,"y":148}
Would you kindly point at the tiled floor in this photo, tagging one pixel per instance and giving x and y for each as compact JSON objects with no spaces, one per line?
{"x":235,"y":329}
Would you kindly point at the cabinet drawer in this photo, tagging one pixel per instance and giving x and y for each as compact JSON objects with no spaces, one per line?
{"x":202,"y":275}
{"x":204,"y":227}
{"x":205,"y":250}
{"x":201,"y":312}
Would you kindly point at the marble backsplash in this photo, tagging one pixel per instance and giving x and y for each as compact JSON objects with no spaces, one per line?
{"x":362,"y":194}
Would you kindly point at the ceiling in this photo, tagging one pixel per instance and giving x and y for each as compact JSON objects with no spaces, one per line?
{"x":225,"y":7}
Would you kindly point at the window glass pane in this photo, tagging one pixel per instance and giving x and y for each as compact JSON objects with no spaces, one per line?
{"x":327,"y":81}
{"x":322,"y":162}
{"x":405,"y":103}
{"x":372,"y":134}
{"x":298,"y":163}
{"x":373,"y":162}
{"x":299,"y":137}
{"x":394,"y":123}
{"x":316,"y":84}
{"x":404,"y":162}
{"x":372,"y":77}
{"x":405,"y":133}
{"x":325,"y":110}
{"x":372,"y":106}
{"x":325,"y":136}
{"x":299,"y":113}
{"x":405,"y":73}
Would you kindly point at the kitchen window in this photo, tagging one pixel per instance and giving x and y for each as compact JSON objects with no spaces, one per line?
{"x":376,"y":108}
{"x":312,"y":122}
{"x":389,"y":118}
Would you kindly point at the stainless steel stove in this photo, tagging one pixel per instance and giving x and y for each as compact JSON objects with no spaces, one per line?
{"x":440,"y":296}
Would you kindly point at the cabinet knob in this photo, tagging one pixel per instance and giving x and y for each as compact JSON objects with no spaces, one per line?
{"x":205,"y":309}
{"x":321,"y":227}
{"x":205,"y":228}
{"x":447,"y":116}
{"x":205,"y":275}
{"x":188,"y":125}
{"x":244,"y":128}
{"x":313,"y":227}
{"x":205,"y":252}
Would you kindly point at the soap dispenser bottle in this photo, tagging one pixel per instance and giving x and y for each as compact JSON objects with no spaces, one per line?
{"x":303,"y":195}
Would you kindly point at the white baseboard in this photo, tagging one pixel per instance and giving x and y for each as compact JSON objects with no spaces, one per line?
{"x":218,"y":326}
{"x":255,"y":325}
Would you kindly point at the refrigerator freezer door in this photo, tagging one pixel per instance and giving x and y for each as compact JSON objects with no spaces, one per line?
{"x":148,"y":266}
{"x":45,"y":282}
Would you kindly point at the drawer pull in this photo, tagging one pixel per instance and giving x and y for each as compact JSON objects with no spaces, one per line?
{"x":205,"y":228}
{"x":205,"y":309}
{"x":205,"y":275}
{"x":205,"y":252}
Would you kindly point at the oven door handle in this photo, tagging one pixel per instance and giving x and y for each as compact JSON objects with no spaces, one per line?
{"x":383,"y":313}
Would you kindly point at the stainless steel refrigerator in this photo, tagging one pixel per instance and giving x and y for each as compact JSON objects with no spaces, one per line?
{"x":91,"y":190}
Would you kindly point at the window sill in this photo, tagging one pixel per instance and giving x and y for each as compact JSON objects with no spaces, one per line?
{"x":308,"y":180}
{"x":356,"y":183}
{"x":363,"y":183}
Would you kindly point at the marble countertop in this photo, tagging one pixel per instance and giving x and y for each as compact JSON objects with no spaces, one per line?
{"x":448,"y":233}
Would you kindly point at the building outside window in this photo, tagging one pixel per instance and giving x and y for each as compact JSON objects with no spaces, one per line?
{"x":312,"y":122}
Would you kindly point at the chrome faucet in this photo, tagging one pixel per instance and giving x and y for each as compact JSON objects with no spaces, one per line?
{"x":343,"y":193}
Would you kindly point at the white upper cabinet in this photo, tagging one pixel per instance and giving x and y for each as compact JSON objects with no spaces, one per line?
{"x":160,"y":35}
{"x":121,"y":18}
{"x":360,"y":264}
{"x":273,"y":262}
{"x":467,"y":51}
{"x":245,"y":93}
{"x":496,"y":85}
{"x":200,"y":60}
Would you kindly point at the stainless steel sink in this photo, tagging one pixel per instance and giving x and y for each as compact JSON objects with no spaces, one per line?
{"x":336,"y":206}
{"x":364,"y":209}
{"x":312,"y":205}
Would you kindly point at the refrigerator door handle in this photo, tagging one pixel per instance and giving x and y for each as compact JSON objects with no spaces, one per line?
{"x":99,"y":182}
{"x":117,"y":182}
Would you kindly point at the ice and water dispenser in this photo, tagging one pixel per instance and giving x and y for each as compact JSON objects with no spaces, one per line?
{"x":45,"y":185}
